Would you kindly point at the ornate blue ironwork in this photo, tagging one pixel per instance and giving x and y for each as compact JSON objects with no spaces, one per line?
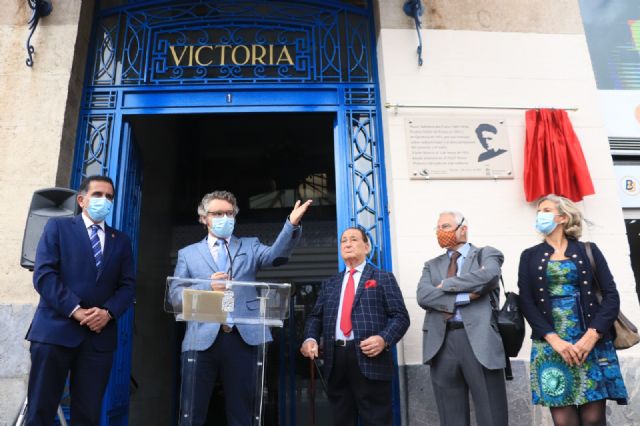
{"x":143,"y":61}
{"x":39,"y":8}
{"x":101,"y":100}
{"x":154,"y":37}
{"x":97,"y":133}
{"x":154,"y":44}
{"x":105,"y":42}
{"x":364,"y":167}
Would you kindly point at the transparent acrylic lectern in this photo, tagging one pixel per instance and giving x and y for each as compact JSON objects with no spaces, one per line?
{"x":255,"y":305}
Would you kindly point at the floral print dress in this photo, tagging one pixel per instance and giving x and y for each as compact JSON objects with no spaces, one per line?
{"x":553,"y":382}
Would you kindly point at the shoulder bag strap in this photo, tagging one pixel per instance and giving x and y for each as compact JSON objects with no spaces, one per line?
{"x":621,"y":317}
{"x":508,"y":372}
{"x":596,"y":287}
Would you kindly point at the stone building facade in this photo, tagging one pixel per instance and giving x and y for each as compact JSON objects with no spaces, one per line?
{"x":478,"y":56}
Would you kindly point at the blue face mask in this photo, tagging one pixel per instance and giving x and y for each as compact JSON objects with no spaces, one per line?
{"x":545,"y":222}
{"x":222,"y":227}
{"x":99,"y":208}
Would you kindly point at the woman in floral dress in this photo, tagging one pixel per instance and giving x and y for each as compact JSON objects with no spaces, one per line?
{"x":574,"y":366}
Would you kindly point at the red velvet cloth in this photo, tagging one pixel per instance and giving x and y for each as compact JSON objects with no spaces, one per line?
{"x":553,"y":159}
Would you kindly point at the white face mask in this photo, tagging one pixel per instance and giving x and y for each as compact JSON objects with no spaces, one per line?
{"x":545,"y":222}
{"x":99,"y":208}
{"x":222,"y":227}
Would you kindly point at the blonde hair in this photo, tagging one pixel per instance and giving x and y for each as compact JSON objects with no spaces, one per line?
{"x":566,"y":207}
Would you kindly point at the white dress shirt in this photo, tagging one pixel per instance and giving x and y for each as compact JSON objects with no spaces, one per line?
{"x":356,"y":279}
{"x":88,"y":223}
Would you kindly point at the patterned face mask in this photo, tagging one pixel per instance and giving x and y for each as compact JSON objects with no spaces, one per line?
{"x":447,"y":238}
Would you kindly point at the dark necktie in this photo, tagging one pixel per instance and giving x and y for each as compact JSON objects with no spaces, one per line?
{"x":452,"y":270}
{"x":347,"y":305}
{"x":95,"y":246}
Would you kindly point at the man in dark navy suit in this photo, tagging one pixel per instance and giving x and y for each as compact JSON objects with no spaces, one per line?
{"x":360,"y":313}
{"x":84,"y":275}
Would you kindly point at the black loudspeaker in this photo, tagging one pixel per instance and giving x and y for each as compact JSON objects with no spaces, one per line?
{"x":45,"y":204}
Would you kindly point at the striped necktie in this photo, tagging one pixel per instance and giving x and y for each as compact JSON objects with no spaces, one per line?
{"x":95,"y":246}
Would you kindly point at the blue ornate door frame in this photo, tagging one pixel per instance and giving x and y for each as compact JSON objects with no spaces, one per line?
{"x":144,"y":60}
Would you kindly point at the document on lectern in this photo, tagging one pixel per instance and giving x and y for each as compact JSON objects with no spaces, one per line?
{"x":203,"y":306}
{"x":221,"y":301}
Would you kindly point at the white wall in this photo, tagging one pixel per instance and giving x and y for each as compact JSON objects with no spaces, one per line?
{"x":471,"y":68}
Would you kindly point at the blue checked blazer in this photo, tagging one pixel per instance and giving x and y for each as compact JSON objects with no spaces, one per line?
{"x":377,"y":310}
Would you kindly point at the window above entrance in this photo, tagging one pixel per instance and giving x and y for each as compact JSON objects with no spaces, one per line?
{"x":158,"y":58}
{"x":105,"y":4}
{"x":251,"y":41}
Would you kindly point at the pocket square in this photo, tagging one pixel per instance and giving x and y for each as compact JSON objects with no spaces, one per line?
{"x":370,"y":284}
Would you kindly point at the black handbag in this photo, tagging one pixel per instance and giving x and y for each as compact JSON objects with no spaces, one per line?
{"x":510,"y":322}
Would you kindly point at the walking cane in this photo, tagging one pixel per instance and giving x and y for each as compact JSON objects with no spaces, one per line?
{"x":324,"y":384}
{"x":312,"y":393}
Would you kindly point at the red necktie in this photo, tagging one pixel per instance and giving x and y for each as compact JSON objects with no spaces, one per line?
{"x":347,"y":305}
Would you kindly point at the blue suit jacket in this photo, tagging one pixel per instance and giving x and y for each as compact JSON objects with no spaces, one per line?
{"x":377,"y":310}
{"x":534,"y":294}
{"x":65,"y":276}
{"x":248,"y":257}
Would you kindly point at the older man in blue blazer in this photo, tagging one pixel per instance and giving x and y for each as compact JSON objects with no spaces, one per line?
{"x":360,"y":313}
{"x":85,"y":277}
{"x":228,"y":350}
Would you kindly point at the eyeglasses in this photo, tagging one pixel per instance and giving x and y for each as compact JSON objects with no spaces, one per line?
{"x":448,"y":226}
{"x":219,"y":214}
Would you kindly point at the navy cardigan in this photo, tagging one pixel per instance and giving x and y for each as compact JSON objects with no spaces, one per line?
{"x":534,"y":295}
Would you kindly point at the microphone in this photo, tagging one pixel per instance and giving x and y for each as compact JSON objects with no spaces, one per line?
{"x":226,"y":246}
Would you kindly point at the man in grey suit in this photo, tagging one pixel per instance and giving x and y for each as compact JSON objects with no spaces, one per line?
{"x":460,"y":337}
{"x":228,"y":350}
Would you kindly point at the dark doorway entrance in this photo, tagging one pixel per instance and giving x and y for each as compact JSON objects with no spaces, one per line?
{"x":268,"y":161}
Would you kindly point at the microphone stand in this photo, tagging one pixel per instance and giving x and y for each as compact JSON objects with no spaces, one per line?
{"x":226,"y":246}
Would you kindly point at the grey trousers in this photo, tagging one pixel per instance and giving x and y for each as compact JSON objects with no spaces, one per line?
{"x":455,"y":372}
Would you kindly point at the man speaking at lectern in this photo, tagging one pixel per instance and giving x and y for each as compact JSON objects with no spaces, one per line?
{"x":228,"y":350}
